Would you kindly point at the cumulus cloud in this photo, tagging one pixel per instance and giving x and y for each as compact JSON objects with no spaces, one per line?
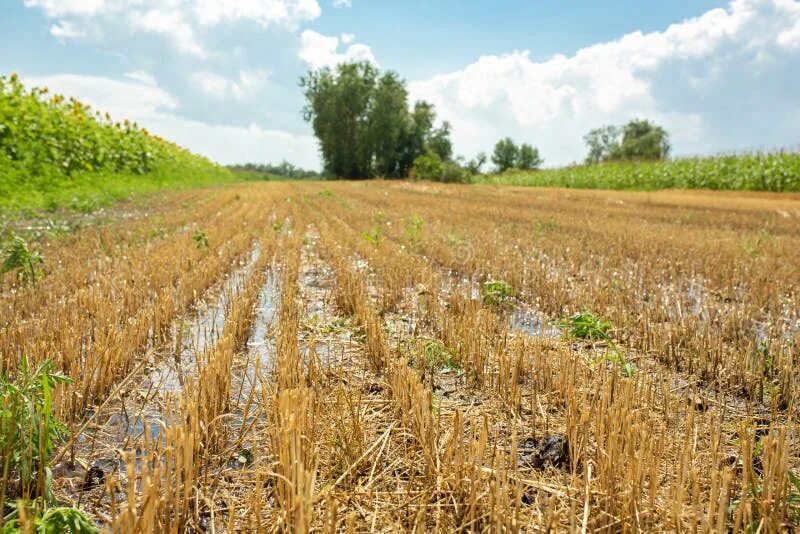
{"x":319,"y":50}
{"x":177,"y":20}
{"x":712,"y":81}
{"x":155,"y":109}
{"x":342,"y":3}
{"x":247,"y":82}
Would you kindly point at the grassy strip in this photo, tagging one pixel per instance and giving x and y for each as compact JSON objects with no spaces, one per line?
{"x":21,"y":192}
{"x":778,"y":171}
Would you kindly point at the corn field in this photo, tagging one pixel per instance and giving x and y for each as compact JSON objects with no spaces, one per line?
{"x":399,"y":356}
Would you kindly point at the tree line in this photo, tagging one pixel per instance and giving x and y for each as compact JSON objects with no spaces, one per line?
{"x":367,"y":128}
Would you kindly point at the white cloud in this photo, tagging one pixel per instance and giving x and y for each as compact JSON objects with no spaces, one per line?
{"x":171,"y":24}
{"x":177,"y":20}
{"x":264,"y":12}
{"x":64,"y":30}
{"x":342,"y":3}
{"x":61,"y":8}
{"x":347,"y":38}
{"x":141,"y":76}
{"x":154,"y":109}
{"x":319,"y":50}
{"x":712,"y":81}
{"x":247,"y":82}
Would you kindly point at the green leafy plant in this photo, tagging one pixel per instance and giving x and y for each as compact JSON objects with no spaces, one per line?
{"x":28,"y":427}
{"x":327,"y":193}
{"x":29,"y":431}
{"x":19,"y":257}
{"x":56,"y":520}
{"x":277,"y":226}
{"x":372,"y":236}
{"x":414,"y":229}
{"x":438,"y":356}
{"x":589,"y":326}
{"x":200,"y":239}
{"x":497,"y":293}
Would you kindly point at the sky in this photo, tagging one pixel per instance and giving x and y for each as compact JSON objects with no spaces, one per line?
{"x":221,"y":76}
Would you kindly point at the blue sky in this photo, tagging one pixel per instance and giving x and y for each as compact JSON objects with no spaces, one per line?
{"x":221,"y":76}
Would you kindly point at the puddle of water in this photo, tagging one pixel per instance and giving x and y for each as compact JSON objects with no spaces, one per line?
{"x":532,"y":323}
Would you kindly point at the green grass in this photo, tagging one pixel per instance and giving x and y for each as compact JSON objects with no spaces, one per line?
{"x":57,"y":153}
{"x":778,"y":171}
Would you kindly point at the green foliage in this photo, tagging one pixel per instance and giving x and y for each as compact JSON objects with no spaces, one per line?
{"x":602,"y":142}
{"x":57,"y":152}
{"x":28,"y":427}
{"x":362,"y":120}
{"x":528,"y":157}
{"x":778,"y":171}
{"x":637,"y":140}
{"x":18,"y":257}
{"x":414,"y":229}
{"x":439,"y":142}
{"x":642,"y":139}
{"x":475,"y":165}
{"x":372,"y":236}
{"x":429,"y":167}
{"x":200,"y":239}
{"x":586,"y":325}
{"x":327,"y":193}
{"x":497,"y":293}
{"x":55,"y":521}
{"x":505,"y":154}
{"x":437,"y":356}
{"x":268,"y":171}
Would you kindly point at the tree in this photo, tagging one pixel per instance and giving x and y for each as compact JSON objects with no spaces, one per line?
{"x":387,"y":120}
{"x":602,"y":143}
{"x":505,"y":154}
{"x":363,"y":123}
{"x":528,"y":157}
{"x":474,"y":165}
{"x":639,"y":139}
{"x":642,"y":139}
{"x":439,"y":142}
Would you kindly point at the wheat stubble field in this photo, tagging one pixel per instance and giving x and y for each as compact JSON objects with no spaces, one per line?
{"x":399,"y":356}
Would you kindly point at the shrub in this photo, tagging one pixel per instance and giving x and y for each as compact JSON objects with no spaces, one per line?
{"x":428,"y":167}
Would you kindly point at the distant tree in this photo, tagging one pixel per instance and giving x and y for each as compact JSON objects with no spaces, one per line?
{"x":642,"y":139}
{"x":439,"y":142}
{"x":363,"y":123}
{"x":602,"y":143}
{"x":474,"y":165}
{"x":505,"y":154}
{"x":639,"y":139}
{"x":528,"y":157}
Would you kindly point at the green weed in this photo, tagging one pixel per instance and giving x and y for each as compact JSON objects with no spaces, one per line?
{"x":414,"y":229}
{"x":372,"y":236}
{"x":497,"y":293}
{"x":20,"y":258}
{"x":200,"y":239}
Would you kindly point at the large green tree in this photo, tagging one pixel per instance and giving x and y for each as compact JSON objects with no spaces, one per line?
{"x":364,"y":125}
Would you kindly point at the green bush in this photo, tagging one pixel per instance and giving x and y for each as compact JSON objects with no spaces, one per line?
{"x":428,"y":167}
